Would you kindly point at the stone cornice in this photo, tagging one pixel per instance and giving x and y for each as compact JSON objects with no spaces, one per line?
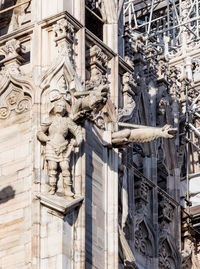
{"x":124,"y":65}
{"x":95,"y":40}
{"x":22,"y":31}
{"x":52,"y":19}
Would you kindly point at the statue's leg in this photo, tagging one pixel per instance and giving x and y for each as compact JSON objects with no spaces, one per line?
{"x":66,"y":179}
{"x":52,"y":172}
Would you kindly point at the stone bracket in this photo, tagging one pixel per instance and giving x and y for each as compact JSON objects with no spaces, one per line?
{"x":59,"y":205}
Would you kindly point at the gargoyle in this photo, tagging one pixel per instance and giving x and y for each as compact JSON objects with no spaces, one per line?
{"x":93,"y":101}
{"x":141,"y":135}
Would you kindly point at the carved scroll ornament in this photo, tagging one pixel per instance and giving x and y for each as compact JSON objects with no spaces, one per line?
{"x":15,"y":102}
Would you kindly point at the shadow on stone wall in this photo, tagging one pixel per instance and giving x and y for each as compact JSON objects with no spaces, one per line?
{"x":6,"y":194}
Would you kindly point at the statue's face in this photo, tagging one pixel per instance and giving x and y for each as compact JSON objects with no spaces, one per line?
{"x":12,"y":99}
{"x":59,"y":108}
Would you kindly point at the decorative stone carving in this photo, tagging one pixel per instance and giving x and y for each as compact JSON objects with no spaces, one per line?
{"x":97,"y":65}
{"x":141,"y":195}
{"x":64,"y":36}
{"x":163,"y":69}
{"x":151,"y":67}
{"x":163,"y":107}
{"x":139,"y":44}
{"x":129,"y":85}
{"x":97,"y":84}
{"x":166,"y":213}
{"x":98,"y":119}
{"x":134,"y":47}
{"x":12,"y":60}
{"x":143,"y":239}
{"x":87,"y":105}
{"x":15,"y":102}
{"x":166,"y":257}
{"x":174,"y":89}
{"x":141,"y":135}
{"x":66,"y":107}
{"x":55,"y":134}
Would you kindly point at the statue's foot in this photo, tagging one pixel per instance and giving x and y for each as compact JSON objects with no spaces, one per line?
{"x":52,"y":190}
{"x":69,"y":194}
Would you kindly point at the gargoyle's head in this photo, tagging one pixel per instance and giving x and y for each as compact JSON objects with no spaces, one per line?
{"x":168,"y":131}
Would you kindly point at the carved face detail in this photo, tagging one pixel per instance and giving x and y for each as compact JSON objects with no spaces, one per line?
{"x":60,"y":107}
{"x":12,"y":99}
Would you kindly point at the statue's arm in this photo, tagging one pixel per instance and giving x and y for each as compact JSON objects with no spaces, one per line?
{"x":41,"y":134}
{"x":76,"y":131}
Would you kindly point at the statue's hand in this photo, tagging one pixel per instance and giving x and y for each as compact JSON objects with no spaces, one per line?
{"x":168,"y":132}
{"x":61,"y":148}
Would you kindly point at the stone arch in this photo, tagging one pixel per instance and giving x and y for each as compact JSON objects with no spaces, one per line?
{"x":60,"y":78}
{"x":144,"y":238}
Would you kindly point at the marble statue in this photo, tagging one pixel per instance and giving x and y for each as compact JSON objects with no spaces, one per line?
{"x":55,"y":134}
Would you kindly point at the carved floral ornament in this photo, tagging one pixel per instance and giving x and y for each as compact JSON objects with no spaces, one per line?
{"x":15,"y":102}
{"x":64,"y":32}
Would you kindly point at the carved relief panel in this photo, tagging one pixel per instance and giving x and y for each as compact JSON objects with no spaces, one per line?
{"x":14,"y":102}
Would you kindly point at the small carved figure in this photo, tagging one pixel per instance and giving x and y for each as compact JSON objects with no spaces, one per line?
{"x":12,"y":99}
{"x":55,"y":134}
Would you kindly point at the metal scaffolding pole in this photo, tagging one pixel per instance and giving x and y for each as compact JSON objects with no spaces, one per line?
{"x":156,"y":17}
{"x":187,"y":150}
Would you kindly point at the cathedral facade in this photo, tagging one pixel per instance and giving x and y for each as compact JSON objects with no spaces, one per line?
{"x":94,"y":141}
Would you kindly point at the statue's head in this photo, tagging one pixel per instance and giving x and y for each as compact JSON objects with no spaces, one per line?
{"x":12,"y":99}
{"x":60,"y":107}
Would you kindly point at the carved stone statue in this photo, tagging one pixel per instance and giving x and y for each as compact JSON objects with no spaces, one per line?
{"x":55,"y":135}
{"x":141,"y":135}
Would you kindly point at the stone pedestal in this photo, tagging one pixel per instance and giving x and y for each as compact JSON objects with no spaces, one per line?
{"x":57,"y":232}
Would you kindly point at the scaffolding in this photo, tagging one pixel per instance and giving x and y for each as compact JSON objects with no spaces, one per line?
{"x":172,"y":24}
{"x":160,"y":20}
